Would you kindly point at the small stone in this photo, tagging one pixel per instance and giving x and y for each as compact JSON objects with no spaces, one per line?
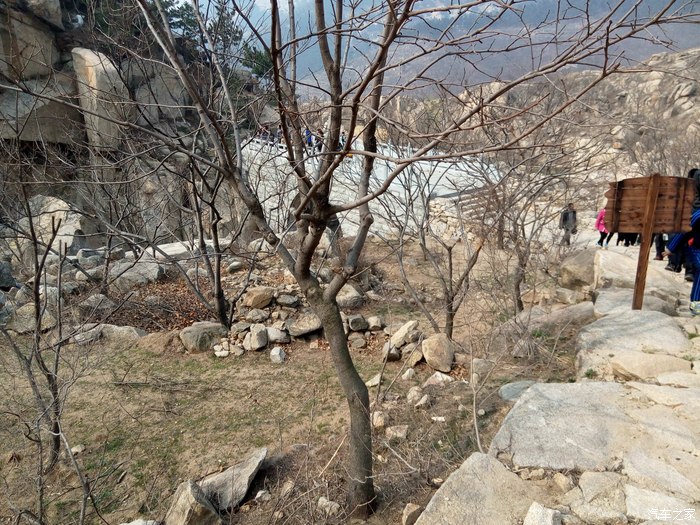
{"x":237,"y":350}
{"x":277,"y":355}
{"x":221,"y":353}
{"x":263,"y":495}
{"x":235,"y":266}
{"x":411,"y":512}
{"x":278,"y":515}
{"x":375,"y":323}
{"x":414,"y":395}
{"x":328,"y":507}
{"x":306,"y":324}
{"x":258,"y":297}
{"x":438,"y":351}
{"x":378,"y":419}
{"x":287,"y":488}
{"x":358,"y":343}
{"x":77,"y":450}
{"x":423,"y":403}
{"x":439,"y":379}
{"x":357,"y":323}
{"x":397,"y":433}
{"x":540,"y":515}
{"x":390,"y":353}
{"x":408,"y":374}
{"x":399,"y":338}
{"x":275,"y":335}
{"x":412,"y":353}
{"x":349,"y":297}
{"x":374,"y":381}
{"x":240,"y":327}
{"x":536,"y":474}
{"x":438,"y":419}
{"x":287,"y":300}
{"x":563,"y":482}
{"x":256,"y":316}
{"x":256,"y":339}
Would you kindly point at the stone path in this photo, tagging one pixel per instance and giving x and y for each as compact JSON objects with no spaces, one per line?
{"x":622,"y":444}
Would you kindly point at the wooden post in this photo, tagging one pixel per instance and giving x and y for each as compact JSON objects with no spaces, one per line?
{"x":645,"y":248}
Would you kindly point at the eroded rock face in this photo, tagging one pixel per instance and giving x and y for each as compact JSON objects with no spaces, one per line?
{"x":102,"y":92}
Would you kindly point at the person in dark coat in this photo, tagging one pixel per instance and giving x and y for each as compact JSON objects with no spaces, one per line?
{"x":567,"y":222}
{"x":692,"y":240}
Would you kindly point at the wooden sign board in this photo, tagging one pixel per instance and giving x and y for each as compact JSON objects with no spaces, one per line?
{"x":627,"y":198}
{"x":648,"y":205}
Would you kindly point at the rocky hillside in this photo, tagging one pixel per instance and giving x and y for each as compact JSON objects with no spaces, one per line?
{"x":620,"y":444}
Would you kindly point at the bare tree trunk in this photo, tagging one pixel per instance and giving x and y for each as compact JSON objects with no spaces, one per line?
{"x":361,"y":498}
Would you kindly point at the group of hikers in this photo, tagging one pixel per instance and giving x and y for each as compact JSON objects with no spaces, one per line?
{"x":681,"y":248}
{"x":313,"y":141}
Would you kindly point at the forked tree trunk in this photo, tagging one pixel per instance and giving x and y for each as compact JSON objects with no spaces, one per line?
{"x":361,"y":499}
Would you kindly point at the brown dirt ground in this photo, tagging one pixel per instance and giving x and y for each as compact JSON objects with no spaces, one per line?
{"x":151,"y":417}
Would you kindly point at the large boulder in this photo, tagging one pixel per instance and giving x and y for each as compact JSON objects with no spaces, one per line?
{"x":595,"y":269}
{"x":349,"y":297}
{"x":75,"y":231}
{"x":162,"y":97}
{"x":573,"y":426}
{"x":615,"y":270}
{"x":609,"y":300}
{"x":190,"y":506}
{"x":47,"y":10}
{"x":102,"y":94}
{"x":228,"y":488}
{"x":578,"y":271}
{"x":129,"y":274}
{"x":481,"y":491}
{"x":201,"y":336}
{"x":304,"y":325}
{"x":258,"y":297}
{"x":645,"y":366}
{"x":23,"y":320}
{"x":27,"y":47}
{"x":439,"y":351}
{"x":40,"y":119}
{"x":7,"y":280}
{"x":627,"y":331}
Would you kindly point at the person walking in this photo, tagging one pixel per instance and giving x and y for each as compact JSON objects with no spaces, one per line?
{"x":692,"y":240}
{"x":567,"y":222}
{"x":605,"y":235}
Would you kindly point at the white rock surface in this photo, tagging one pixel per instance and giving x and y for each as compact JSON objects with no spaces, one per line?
{"x":481,"y":491}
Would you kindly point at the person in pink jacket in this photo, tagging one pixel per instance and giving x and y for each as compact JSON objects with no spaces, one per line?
{"x":605,"y":235}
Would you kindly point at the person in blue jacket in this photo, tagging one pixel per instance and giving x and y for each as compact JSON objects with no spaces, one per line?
{"x":692,"y":240}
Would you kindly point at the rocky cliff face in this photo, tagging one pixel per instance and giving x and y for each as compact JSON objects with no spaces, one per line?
{"x":75,"y":103}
